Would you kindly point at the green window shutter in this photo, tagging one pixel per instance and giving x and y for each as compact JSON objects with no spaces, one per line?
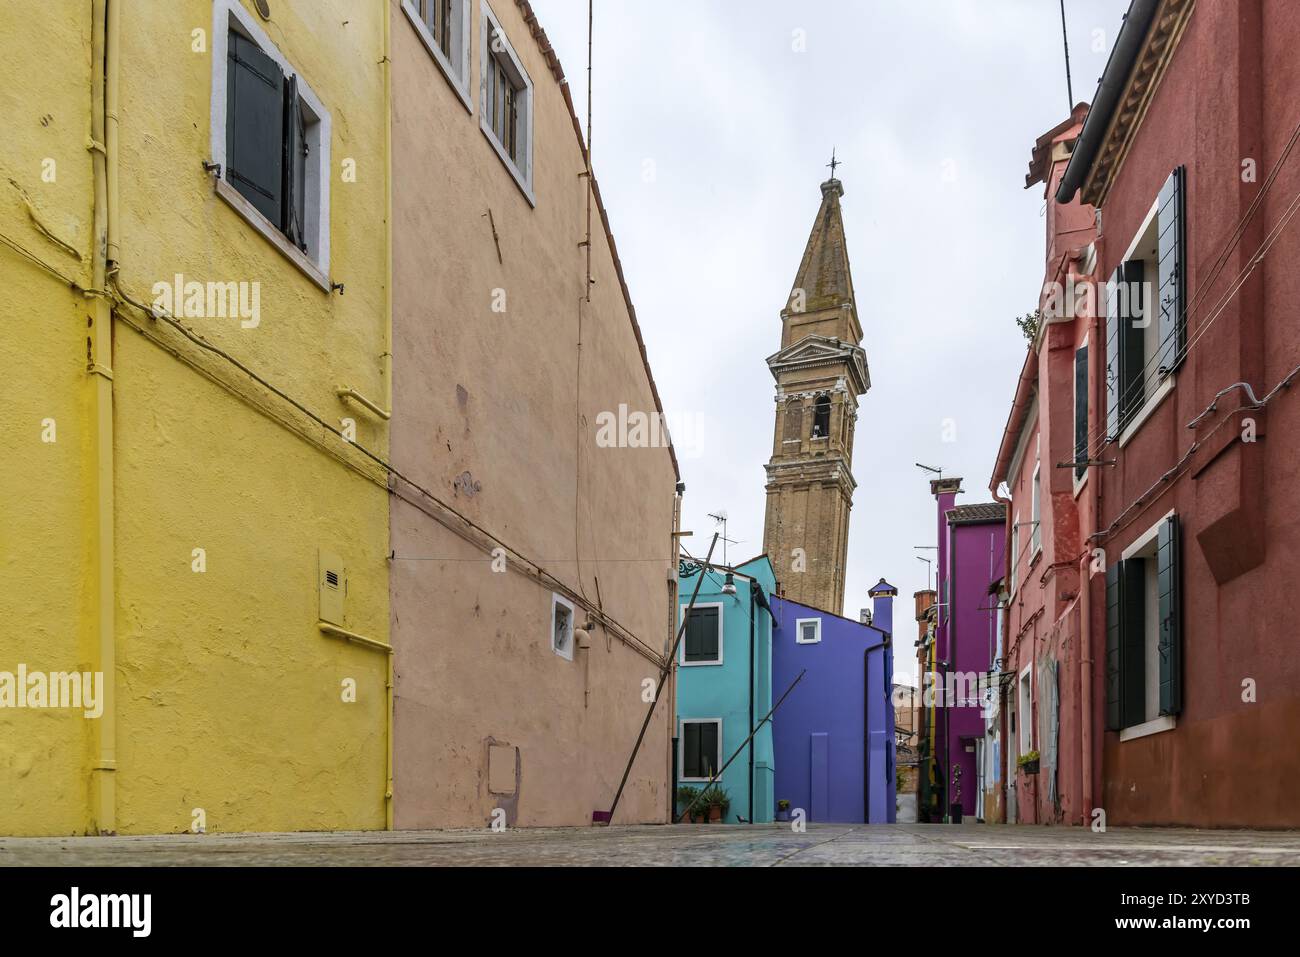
{"x":691,"y":750}
{"x":1171,"y":637}
{"x":1132,"y":642}
{"x":295,"y":167}
{"x":702,"y":635}
{"x":708,"y":749}
{"x":1171,"y":297}
{"x":1132,"y":358}
{"x":1113,"y":294}
{"x":1113,"y":626}
{"x":255,"y":127}
{"x":1081,"y":411}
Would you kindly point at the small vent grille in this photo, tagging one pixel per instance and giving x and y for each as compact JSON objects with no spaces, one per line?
{"x":332,"y":578}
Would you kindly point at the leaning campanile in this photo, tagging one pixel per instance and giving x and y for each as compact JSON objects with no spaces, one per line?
{"x":820,"y":372}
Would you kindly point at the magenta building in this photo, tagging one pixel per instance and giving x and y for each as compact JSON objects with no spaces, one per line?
{"x":972,"y":543}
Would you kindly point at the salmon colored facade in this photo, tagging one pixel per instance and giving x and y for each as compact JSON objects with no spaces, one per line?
{"x":517,"y":507}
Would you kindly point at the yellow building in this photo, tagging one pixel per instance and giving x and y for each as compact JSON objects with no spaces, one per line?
{"x":194,"y":334}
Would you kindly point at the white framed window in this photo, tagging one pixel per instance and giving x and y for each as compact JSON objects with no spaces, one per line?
{"x":270,"y":141}
{"x":562,"y":616}
{"x":443,"y":28}
{"x":1036,"y":512}
{"x":1025,"y":709}
{"x":699,"y":752}
{"x":1015,"y":551}
{"x":506,"y":102}
{"x":702,"y":643}
{"x":808,"y":631}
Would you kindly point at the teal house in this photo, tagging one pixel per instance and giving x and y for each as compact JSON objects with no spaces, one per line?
{"x":724,"y":684}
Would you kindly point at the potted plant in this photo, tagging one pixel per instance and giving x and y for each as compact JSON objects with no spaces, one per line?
{"x":783,"y":810}
{"x":686,"y":796}
{"x":717,"y":801}
{"x":1028,"y":762}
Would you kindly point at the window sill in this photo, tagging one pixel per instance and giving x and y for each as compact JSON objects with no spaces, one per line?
{"x":1166,"y":722}
{"x":508,"y":163}
{"x":277,"y":239}
{"x":459,"y":84}
{"x":1147,"y":409}
{"x":699,"y":664}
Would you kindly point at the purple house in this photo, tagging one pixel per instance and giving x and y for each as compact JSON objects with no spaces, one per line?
{"x":972,"y":544}
{"x":833,"y":737}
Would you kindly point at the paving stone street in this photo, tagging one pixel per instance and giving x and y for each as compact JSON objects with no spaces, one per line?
{"x":681,"y":845}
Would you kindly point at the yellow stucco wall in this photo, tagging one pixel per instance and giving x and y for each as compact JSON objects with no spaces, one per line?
{"x":229,"y":698}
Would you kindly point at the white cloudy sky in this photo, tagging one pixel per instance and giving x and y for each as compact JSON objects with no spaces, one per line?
{"x":736,"y":127}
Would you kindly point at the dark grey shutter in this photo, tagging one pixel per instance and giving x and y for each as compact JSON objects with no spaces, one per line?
{"x":709,"y":749}
{"x":1080,"y":411}
{"x":255,"y":127}
{"x":295,"y":167}
{"x":702,"y":635}
{"x":1113,"y":626}
{"x":1171,"y":222}
{"x":691,"y":750}
{"x":1113,"y":296}
{"x":1168,"y":587}
{"x":1132,"y":642}
{"x":1132,"y":358}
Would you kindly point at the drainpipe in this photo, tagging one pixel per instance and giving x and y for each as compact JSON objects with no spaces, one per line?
{"x":99,"y":343}
{"x":1008,"y":549}
{"x":1085,"y":615}
{"x":752,"y":586}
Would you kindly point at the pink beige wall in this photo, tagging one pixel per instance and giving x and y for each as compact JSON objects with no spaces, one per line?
{"x":493,"y":416}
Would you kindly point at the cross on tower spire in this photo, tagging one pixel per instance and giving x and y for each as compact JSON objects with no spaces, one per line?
{"x":833,"y":163}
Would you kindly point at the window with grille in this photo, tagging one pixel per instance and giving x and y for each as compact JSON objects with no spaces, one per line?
{"x":442,"y":26}
{"x":506,"y":101}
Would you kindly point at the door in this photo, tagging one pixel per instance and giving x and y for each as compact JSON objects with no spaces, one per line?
{"x":819,"y":765}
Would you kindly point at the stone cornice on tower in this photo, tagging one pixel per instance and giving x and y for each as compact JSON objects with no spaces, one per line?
{"x":814,"y":351}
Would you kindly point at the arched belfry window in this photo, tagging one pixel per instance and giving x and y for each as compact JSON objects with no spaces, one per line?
{"x":821,"y":417}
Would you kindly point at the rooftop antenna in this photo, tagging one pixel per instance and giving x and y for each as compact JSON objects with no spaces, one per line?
{"x":1065,"y":39}
{"x":929,"y":468}
{"x":720,"y":516}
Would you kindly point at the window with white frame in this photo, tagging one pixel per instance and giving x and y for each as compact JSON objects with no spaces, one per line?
{"x":443,"y":28}
{"x":1146,"y":321}
{"x":1081,"y":413}
{"x":702,"y":642}
{"x":700,"y":754}
{"x":1036,"y":512}
{"x":808,"y":631}
{"x":270,"y":141}
{"x":506,"y":101}
{"x":1143,"y":631}
{"x":1025,"y":708}
{"x":1015,"y":550}
{"x":562,"y":627}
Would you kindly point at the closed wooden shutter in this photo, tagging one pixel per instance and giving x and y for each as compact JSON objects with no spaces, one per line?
{"x":1113,"y":296}
{"x":255,"y":127}
{"x":1132,"y":642}
{"x":1132,"y":337}
{"x":793,"y":420}
{"x":1113,"y":609}
{"x":1080,"y":411}
{"x":699,"y":749}
{"x":295,"y":167}
{"x":1171,"y":222}
{"x":1169,"y":590}
{"x":702,"y":635}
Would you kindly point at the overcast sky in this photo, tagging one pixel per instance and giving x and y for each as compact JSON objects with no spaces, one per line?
{"x":712,"y":131}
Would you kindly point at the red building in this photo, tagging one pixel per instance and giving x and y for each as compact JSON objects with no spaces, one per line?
{"x":1048,"y":515}
{"x":1167,"y":578}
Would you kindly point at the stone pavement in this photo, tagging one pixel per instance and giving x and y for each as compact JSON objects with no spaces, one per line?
{"x":704,"y":845}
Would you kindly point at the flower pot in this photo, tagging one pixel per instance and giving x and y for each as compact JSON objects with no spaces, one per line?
{"x":715,"y":814}
{"x":1030,"y":767}
{"x":783,"y":815}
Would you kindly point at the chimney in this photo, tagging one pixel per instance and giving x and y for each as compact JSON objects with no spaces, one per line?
{"x":882,"y":606}
{"x":924,"y":602}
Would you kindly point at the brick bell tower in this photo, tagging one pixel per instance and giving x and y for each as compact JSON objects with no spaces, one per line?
{"x":820,"y":372}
